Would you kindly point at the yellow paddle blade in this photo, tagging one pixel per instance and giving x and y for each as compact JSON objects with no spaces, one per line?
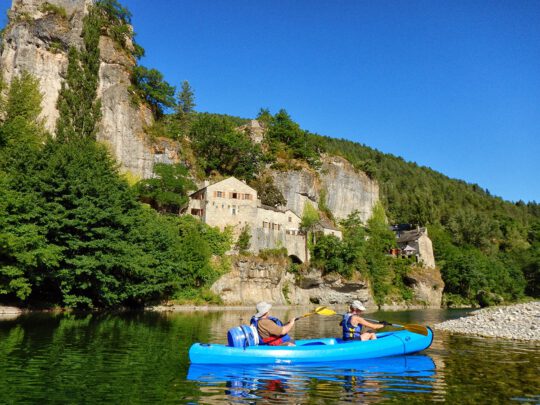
{"x":325,"y":311}
{"x":422,"y":330}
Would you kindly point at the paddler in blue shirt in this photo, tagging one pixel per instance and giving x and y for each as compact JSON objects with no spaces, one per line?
{"x":353,"y":324}
{"x":271,"y":331}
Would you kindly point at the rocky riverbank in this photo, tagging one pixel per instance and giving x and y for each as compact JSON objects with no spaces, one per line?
{"x":520,"y":322}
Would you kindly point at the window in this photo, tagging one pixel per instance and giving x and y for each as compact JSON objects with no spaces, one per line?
{"x":219,"y":194}
{"x":234,"y":209}
{"x":290,"y":219}
{"x":234,"y":195}
{"x":247,"y":196}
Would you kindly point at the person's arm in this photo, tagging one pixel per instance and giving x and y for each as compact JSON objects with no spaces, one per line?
{"x":359,"y":320}
{"x":288,"y":326}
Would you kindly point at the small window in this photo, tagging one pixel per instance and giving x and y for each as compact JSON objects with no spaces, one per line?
{"x":234,"y":195}
{"x":290,"y":219}
{"x":220,"y":193}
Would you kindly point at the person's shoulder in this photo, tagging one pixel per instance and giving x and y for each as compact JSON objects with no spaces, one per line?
{"x":265,"y":320}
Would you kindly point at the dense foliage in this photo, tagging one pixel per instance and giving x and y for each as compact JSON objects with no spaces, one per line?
{"x":167,"y":191}
{"x":220,"y":148}
{"x":72,"y":232}
{"x":482,"y":243}
{"x":79,"y":108}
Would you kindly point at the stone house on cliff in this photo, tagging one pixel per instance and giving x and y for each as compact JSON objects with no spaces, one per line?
{"x":415,"y":242}
{"x":233,"y":203}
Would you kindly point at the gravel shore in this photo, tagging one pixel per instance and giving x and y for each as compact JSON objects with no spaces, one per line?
{"x":520,"y":322}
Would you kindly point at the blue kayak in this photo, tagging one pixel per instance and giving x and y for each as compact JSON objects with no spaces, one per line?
{"x":313,"y":350}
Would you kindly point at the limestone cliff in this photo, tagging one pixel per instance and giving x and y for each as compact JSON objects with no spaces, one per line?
{"x":253,"y":280}
{"x":36,"y":40}
{"x":343,"y":188}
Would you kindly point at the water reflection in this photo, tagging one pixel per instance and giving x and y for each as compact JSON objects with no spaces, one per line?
{"x":359,"y":380}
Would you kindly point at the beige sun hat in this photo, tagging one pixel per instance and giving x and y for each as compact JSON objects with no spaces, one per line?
{"x":262,"y":308}
{"x":358,"y":305}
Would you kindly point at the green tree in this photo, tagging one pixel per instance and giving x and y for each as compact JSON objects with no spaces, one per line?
{"x":283,"y":132}
{"x":150,"y":86}
{"x":78,"y":106}
{"x":221,"y":148}
{"x":22,"y":109}
{"x":186,"y":99}
{"x":244,"y":240}
{"x":267,"y":191}
{"x":310,"y":218}
{"x":185,"y":108}
{"x":167,"y":190}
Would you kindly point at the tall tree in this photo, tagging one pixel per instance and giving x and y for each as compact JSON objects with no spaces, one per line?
{"x":22,"y":110}
{"x":151,"y":87}
{"x":186,"y":99}
{"x":78,"y":105}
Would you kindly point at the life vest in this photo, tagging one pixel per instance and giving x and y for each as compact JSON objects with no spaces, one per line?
{"x":349,"y":331}
{"x":270,"y":340}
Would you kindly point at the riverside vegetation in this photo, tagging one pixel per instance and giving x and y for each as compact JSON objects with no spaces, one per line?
{"x":75,"y":233}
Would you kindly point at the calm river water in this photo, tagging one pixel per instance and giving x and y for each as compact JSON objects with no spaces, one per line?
{"x":143,"y":358}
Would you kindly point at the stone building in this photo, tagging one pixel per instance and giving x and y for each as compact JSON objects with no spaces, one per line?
{"x":233,"y":203}
{"x":416,"y":242}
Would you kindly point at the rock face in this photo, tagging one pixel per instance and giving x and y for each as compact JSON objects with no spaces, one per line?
{"x":343,"y":188}
{"x":122,"y":124}
{"x":427,"y":285}
{"x":36,"y":42}
{"x":37,"y":39}
{"x":253,"y":280}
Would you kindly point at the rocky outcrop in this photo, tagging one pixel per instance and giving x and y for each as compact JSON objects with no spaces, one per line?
{"x":427,"y":286}
{"x":123,"y":123}
{"x":343,"y":188}
{"x":37,"y":39}
{"x":252,"y":280}
{"x":7,"y":313}
{"x":37,"y":42}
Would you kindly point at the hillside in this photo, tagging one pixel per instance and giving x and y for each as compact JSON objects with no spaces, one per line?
{"x":78,"y":230}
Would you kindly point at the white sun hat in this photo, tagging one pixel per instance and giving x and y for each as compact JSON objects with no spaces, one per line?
{"x":358,"y":305}
{"x":262,"y":308}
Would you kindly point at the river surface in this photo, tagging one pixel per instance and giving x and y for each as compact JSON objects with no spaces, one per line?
{"x":142,"y":358}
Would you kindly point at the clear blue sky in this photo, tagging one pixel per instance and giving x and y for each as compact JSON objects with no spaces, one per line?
{"x":453,"y":85}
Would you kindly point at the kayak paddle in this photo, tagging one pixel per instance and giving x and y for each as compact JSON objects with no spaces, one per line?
{"x":421,"y":330}
{"x":411,"y":327}
{"x":319,"y":311}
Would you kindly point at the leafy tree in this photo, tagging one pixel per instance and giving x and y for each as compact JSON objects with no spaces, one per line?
{"x":150,"y":86}
{"x":243,"y":243}
{"x":167,"y":191}
{"x":78,"y":106}
{"x":282,"y":131}
{"x":221,"y":148}
{"x":310,"y":218}
{"x":22,"y":110}
{"x":267,"y":191}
